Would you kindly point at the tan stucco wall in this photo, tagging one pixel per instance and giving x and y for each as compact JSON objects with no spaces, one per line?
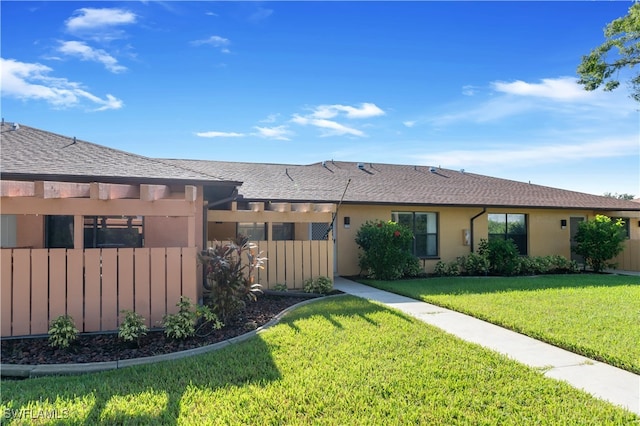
{"x":30,"y":231}
{"x":545,"y":235}
{"x":163,"y":231}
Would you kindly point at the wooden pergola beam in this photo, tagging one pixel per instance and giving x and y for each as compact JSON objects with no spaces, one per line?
{"x":47,"y":189}
{"x":14,"y":188}
{"x":154,"y":192}
{"x":113,"y":191}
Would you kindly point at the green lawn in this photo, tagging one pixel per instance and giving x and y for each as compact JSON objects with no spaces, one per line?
{"x":337,"y":361}
{"x":594,"y":315}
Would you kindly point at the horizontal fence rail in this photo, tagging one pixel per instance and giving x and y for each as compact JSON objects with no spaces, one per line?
{"x":92,"y":286}
{"x":292,"y":262}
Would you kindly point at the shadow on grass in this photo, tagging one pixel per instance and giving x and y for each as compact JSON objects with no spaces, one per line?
{"x":155,"y":393}
{"x":481,"y":285}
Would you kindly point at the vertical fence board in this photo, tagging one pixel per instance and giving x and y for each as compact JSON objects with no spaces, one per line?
{"x":57,"y":283}
{"x":290,"y":265}
{"x":142,"y":288}
{"x":261,"y":275}
{"x":272,"y":271}
{"x":6,"y":261}
{"x":174,"y":276}
{"x":92,"y":290}
{"x":306,"y":260}
{"x":39,"y":291}
{"x":158,"y":286}
{"x":189,"y":276}
{"x":323,"y":258}
{"x":75,"y":287}
{"x":125,"y":279}
{"x":315,"y":258}
{"x":21,"y":292}
{"x":281,"y":267}
{"x":297,"y":266}
{"x":109,"y":275}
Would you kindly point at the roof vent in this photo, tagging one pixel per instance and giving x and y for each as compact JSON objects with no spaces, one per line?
{"x":361,"y":166}
{"x":461,"y":170}
{"x":432,"y":169}
{"x":16,"y":126}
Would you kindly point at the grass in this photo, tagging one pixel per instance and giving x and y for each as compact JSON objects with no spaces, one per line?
{"x":594,"y":315}
{"x":336,"y":361}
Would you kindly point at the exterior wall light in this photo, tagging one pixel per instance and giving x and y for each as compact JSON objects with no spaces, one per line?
{"x":563,"y":223}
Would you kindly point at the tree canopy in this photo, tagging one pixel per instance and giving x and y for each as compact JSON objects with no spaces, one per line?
{"x":621,"y":49}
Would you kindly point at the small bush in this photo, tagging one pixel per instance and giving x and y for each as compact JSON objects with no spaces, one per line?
{"x":62,"y":332}
{"x":133,"y":327}
{"x":321,"y":285}
{"x":447,"y":269}
{"x":600,"y":240}
{"x":280,"y":287}
{"x":183,"y":323}
{"x":474,"y":264}
{"x":502,"y":255}
{"x":386,"y":251}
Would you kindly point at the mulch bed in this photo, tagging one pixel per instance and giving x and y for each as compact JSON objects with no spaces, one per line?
{"x":107,"y":347}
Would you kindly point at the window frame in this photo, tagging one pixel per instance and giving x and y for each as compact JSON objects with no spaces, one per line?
{"x":431,"y":239}
{"x":521,"y":243}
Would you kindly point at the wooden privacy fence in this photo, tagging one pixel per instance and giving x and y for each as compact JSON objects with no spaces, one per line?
{"x":629,"y":259}
{"x":292,"y":262}
{"x":92,"y":285}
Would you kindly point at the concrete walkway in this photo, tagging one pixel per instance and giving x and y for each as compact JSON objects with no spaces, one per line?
{"x":612,"y":384}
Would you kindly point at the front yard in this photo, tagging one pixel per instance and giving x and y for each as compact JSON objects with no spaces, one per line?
{"x":340,"y":360}
{"x":595,"y":315}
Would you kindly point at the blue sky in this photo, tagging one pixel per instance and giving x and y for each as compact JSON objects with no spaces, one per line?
{"x":489,"y":87}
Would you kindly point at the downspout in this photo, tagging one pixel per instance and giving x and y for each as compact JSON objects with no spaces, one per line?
{"x":484,"y":210}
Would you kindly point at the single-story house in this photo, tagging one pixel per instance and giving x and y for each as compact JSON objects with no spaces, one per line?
{"x":449,"y":211}
{"x":87,"y":230}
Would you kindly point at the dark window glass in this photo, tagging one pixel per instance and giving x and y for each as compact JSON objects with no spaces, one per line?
{"x":113,"y":231}
{"x":59,"y":231}
{"x":282,"y":231}
{"x":424,"y":226}
{"x":253,"y":231}
{"x":509,"y":226}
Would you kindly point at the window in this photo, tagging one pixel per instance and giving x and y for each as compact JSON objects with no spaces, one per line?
{"x":113,"y":231}
{"x":253,"y":231}
{"x":59,"y":231}
{"x":282,"y":231}
{"x":509,"y":226}
{"x":319,"y":231}
{"x":626,"y":231}
{"x":425,"y":231}
{"x":7,"y":230}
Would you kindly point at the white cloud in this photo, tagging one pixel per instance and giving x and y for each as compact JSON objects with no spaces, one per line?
{"x":87,"y":53}
{"x":99,"y":23}
{"x":214,"y":134}
{"x":260,"y":14}
{"x":366,"y":110}
{"x":409,"y":123}
{"x":280,"y":133}
{"x":28,"y":81}
{"x":271,"y":118}
{"x":469,"y":90}
{"x":215,"y":41}
{"x":561,"y":89}
{"x":328,"y":127}
{"x":534,"y":155}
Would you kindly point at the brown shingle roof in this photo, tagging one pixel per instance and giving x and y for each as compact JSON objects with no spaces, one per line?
{"x":27,"y":153}
{"x":394,"y":184}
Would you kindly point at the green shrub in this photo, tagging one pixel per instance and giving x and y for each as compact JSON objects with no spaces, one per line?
{"x":132,"y":327}
{"x":599,"y":240}
{"x":447,"y":269}
{"x":474,"y":264}
{"x":280,"y":287}
{"x":386,"y":251}
{"x":230,"y":281}
{"x":62,"y":332}
{"x":321,"y":285}
{"x":189,"y":320}
{"x":502,"y":255}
